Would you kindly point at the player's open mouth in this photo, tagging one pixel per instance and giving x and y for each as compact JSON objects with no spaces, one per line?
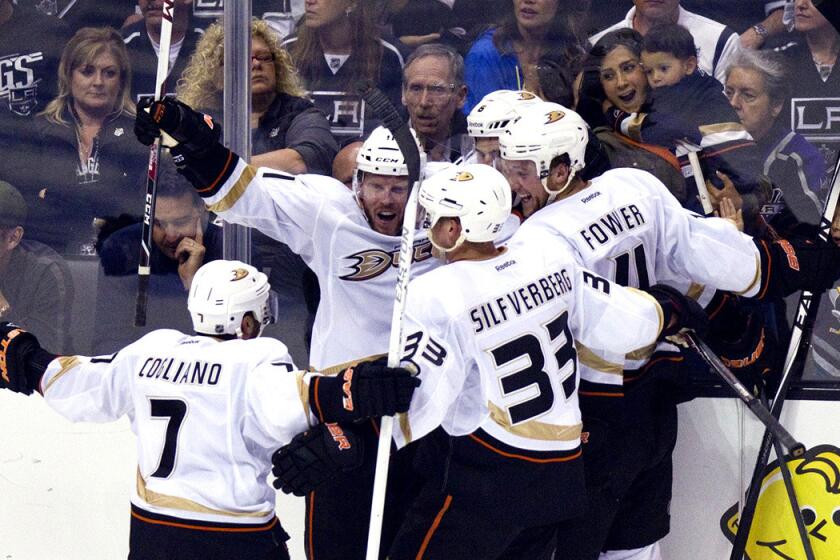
{"x":628,"y":97}
{"x":386,"y":216}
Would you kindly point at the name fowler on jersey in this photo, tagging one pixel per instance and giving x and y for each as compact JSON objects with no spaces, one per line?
{"x":176,"y":371}
{"x":519,"y":301}
{"x":612,"y":224}
{"x":371,"y":263}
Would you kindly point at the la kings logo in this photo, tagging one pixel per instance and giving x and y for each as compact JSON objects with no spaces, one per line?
{"x":371,"y":263}
{"x":18,"y":84}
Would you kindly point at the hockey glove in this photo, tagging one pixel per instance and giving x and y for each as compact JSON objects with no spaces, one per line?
{"x":22,"y":360}
{"x":679,"y":311}
{"x":788,"y":266}
{"x":365,"y":390}
{"x":195,"y":133}
{"x":314,"y":457}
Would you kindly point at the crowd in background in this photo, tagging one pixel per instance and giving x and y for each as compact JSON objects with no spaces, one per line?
{"x":755,"y":94}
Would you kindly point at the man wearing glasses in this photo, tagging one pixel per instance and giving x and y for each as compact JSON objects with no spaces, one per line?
{"x":434,"y":93}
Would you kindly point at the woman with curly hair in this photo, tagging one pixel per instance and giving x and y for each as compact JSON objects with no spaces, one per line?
{"x":338,"y":43}
{"x":288,"y":132}
{"x":88,"y":165}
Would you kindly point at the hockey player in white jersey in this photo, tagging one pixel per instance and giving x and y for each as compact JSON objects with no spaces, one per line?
{"x":627,"y":227}
{"x":348,"y":238}
{"x":489,"y":119}
{"x":493,"y":336}
{"x":208,"y":410}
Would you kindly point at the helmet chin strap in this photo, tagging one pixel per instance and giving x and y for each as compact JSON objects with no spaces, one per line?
{"x":552,"y":195}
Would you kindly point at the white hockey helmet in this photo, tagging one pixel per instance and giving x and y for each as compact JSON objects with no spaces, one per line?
{"x":496,"y":111}
{"x":545,"y":131}
{"x":476,"y":194}
{"x":222,"y":292}
{"x":381,"y":155}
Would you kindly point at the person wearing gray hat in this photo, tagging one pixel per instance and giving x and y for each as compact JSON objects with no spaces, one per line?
{"x":36,"y":288}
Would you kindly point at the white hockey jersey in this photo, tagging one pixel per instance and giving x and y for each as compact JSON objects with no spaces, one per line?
{"x":319,"y":219}
{"x":207,"y":414}
{"x":495,"y":343}
{"x":627,"y":227}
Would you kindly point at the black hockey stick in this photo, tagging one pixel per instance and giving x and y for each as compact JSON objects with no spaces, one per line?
{"x":800,"y":342}
{"x":383,"y":108}
{"x":144,"y":269}
{"x":772,"y":424}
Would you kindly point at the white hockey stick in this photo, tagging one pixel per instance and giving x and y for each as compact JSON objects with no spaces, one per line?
{"x":383,"y":108}
{"x":699,"y":180}
{"x":144,"y":269}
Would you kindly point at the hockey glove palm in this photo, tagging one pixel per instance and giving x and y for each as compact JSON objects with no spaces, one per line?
{"x":315,"y":456}
{"x":22,"y":360}
{"x":365,"y":390}
{"x":679,"y":311}
{"x":788,"y":266}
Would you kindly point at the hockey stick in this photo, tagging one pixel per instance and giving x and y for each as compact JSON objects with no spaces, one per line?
{"x":144,"y":269}
{"x":800,"y":341}
{"x":699,"y":180}
{"x":755,"y":405}
{"x":383,"y":108}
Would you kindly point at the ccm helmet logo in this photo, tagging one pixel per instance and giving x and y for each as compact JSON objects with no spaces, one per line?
{"x":464,"y":176}
{"x":386,"y":160}
{"x":239,"y":274}
{"x":554,"y":116}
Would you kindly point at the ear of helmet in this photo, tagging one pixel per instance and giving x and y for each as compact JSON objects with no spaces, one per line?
{"x":476,"y":194}
{"x":222,"y":293}
{"x":544,"y":132}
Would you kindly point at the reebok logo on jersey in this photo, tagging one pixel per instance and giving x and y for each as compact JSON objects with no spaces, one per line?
{"x":505,"y":265}
{"x":371,"y":263}
{"x":338,"y":436}
{"x":347,"y":400}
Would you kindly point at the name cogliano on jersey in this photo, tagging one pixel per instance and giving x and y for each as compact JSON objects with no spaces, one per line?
{"x":194,"y":372}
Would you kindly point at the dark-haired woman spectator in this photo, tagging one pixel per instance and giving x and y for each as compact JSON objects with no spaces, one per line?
{"x":757,"y":87}
{"x":338,"y":44}
{"x":507,"y":56}
{"x":88,"y":165}
{"x":613,"y":72}
{"x":813,"y":62}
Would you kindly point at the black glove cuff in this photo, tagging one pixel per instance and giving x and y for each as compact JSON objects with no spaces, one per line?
{"x":331,"y":400}
{"x":207,"y":169}
{"x":37,"y":363}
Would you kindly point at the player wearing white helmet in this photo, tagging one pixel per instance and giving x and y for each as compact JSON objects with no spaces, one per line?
{"x":493,"y":335}
{"x":208,"y":410}
{"x":350,"y":241}
{"x":627,"y":227}
{"x":490,"y":118}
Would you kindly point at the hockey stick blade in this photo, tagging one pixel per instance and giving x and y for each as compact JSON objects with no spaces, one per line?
{"x":144,"y":268}
{"x":795,"y":448}
{"x":408,"y":146}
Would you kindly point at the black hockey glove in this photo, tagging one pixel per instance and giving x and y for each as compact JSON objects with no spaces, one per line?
{"x":365,"y":390}
{"x":789,"y":266}
{"x":679,"y":311}
{"x":196,"y":133}
{"x":314,"y":457}
{"x":22,"y":360}
{"x":737,"y":334}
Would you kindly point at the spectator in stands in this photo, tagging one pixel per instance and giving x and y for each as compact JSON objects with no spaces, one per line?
{"x":338,"y":44}
{"x":30,"y":48}
{"x":142,"y":39}
{"x":812,"y":59}
{"x":288,"y":132}
{"x":506,"y":57}
{"x":687,"y":112}
{"x":716,"y":43}
{"x":757,"y":87}
{"x":434,"y":94}
{"x":87,"y":165}
{"x":36,"y":289}
{"x":613,"y":73}
{"x":183,"y":240}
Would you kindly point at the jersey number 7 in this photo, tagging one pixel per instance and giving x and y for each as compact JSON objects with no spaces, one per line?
{"x":529,"y":345}
{"x":175,"y":410}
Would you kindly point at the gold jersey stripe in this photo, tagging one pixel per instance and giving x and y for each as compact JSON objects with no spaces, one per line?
{"x":533,"y":429}
{"x":235,"y":192}
{"x":590,"y":359}
{"x":174,"y":502}
{"x":707,"y":129}
{"x":67,"y":363}
{"x":335,"y":370}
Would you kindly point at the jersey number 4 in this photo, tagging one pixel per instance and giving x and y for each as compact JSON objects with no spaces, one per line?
{"x":529,"y":345}
{"x":175,"y":410}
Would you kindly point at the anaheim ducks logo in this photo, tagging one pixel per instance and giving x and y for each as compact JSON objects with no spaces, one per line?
{"x":554,"y":116}
{"x":464,"y":176}
{"x":239,"y":274}
{"x":371,"y":263}
{"x":526,"y":96}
